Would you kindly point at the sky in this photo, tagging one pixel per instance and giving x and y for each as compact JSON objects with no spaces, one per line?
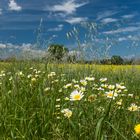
{"x":24,"y":22}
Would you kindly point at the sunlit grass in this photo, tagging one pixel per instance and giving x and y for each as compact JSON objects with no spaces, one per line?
{"x":69,"y":101}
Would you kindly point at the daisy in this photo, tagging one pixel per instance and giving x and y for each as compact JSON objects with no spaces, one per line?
{"x":67,"y":112}
{"x":111,"y":94}
{"x":75,"y":95}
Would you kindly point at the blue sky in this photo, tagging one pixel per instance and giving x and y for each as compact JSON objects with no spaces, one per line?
{"x":119,"y":20}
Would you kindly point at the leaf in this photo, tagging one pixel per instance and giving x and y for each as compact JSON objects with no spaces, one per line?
{"x":117,"y":131}
{"x":98,"y":128}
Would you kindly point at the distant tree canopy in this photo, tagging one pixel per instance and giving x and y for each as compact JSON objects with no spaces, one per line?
{"x":116,"y":60}
{"x":57,"y":52}
{"x":105,"y":61}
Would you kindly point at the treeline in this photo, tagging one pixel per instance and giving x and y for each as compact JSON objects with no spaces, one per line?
{"x":114,"y":60}
{"x":57,"y":53}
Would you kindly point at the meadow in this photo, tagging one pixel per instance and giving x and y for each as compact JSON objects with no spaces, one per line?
{"x":69,"y":101}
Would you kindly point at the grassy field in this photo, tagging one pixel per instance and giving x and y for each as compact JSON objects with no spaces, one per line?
{"x":69,"y":102}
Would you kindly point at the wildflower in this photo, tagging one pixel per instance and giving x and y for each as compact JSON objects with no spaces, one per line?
{"x":119,"y":102}
{"x":31,"y":68}
{"x":130,"y":95}
{"x":75,"y":95}
{"x":101,"y":89}
{"x":9,"y":92}
{"x":100,"y":109}
{"x":55,"y":81}
{"x":74,"y":81}
{"x":36,"y":76}
{"x":33,"y":80}
{"x":58,"y":117}
{"x":57,"y":106}
{"x":67,"y":113}
{"x":111,"y":87}
{"x":11,"y":78}
{"x":104,"y":85}
{"x":63,"y":75}
{"x":46,"y":89}
{"x":51,"y":74}
{"x":60,"y":90}
{"x":67,"y":99}
{"x":133,"y":107}
{"x":38,"y":72}
{"x":2,"y":71}
{"x":125,"y":90}
{"x":29,"y":76}
{"x":137,"y":129}
{"x":103,"y":79}
{"x":92,"y":97}
{"x":118,"y":86}
{"x":77,"y":86}
{"x":68,"y":85}
{"x":82,"y":89}
{"x":111,"y":94}
{"x":83,"y":82}
{"x":117,"y":91}
{"x":90,"y":78}
{"x":57,"y":100}
{"x":20,"y":73}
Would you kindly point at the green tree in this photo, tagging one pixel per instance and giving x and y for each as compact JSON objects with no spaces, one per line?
{"x":116,"y":60}
{"x":57,"y":52}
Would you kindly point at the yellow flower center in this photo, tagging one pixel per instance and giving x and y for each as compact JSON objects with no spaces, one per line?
{"x":134,"y":108}
{"x":137,"y":129}
{"x":77,"y":97}
{"x":110,"y":94}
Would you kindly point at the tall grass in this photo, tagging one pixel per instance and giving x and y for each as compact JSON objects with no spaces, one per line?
{"x":32,"y":98}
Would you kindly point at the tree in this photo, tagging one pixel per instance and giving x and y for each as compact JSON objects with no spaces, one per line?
{"x":105,"y":61}
{"x":57,"y":52}
{"x":116,"y":60}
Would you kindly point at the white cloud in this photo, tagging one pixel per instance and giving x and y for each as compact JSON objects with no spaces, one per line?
{"x":105,"y":14}
{"x":109,"y":20}
{"x":128,"y":16}
{"x":130,"y":56}
{"x":12,"y":46}
{"x":56,"y":29}
{"x":129,"y":38}
{"x":120,"y":39}
{"x":122,"y":30}
{"x":2,"y":46}
{"x":0,"y":11}
{"x":13,"y":6}
{"x":25,"y":50}
{"x":68,"y":7}
{"x":76,"y":20}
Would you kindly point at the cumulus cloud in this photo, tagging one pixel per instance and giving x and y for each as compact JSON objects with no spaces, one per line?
{"x":106,"y":14}
{"x":56,"y":29}
{"x":108,"y":20}
{"x":123,"y":30}
{"x":25,"y":50}
{"x":13,"y":6}
{"x":76,"y":20}
{"x":128,"y":16}
{"x":0,"y":11}
{"x":2,"y":46}
{"x":129,"y":38}
{"x":68,"y":7}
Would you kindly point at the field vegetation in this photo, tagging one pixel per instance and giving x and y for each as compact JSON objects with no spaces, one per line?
{"x":69,"y":101}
